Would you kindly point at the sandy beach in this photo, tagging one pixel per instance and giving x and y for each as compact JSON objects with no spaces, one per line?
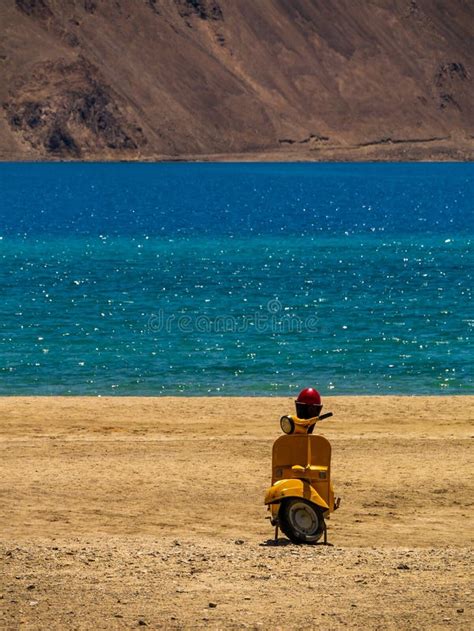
{"x":127,"y":512}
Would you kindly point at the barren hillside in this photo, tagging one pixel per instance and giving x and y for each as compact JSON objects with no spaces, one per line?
{"x":279,"y":79}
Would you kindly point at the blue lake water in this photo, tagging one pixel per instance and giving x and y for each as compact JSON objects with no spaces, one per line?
{"x":248,"y":279}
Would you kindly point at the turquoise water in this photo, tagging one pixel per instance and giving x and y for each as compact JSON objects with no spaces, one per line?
{"x":236,"y":279}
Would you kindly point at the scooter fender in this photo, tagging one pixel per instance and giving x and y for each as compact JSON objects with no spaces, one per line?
{"x":294,"y":488}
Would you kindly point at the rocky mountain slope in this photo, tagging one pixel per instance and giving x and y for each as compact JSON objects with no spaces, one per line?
{"x":272,"y":79}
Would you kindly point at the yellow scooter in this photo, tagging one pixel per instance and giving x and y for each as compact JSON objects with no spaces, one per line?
{"x":301,"y":496}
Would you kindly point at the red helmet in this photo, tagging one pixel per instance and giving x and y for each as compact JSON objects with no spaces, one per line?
{"x":309,"y":396}
{"x":308,"y":403}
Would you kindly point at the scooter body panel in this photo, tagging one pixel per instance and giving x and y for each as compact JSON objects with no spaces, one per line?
{"x":283,"y":489}
{"x":306,"y":460}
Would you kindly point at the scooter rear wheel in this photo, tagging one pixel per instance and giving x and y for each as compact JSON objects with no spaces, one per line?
{"x":301,"y":521}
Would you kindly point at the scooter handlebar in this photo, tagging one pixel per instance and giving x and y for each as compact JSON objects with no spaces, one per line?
{"x":324,"y":416}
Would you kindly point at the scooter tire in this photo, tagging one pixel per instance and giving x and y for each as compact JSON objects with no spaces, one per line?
{"x":289,"y":522}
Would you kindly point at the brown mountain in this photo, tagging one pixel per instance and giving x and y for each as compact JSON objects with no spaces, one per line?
{"x":269,"y":79}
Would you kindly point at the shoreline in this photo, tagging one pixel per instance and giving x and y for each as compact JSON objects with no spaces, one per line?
{"x":277,"y":398}
{"x":376,"y":150}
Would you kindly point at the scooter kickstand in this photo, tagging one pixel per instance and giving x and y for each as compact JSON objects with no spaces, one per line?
{"x":276,"y":534}
{"x":325,"y":540}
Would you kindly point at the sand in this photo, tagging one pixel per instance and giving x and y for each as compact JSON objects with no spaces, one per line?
{"x":126,"y":512}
